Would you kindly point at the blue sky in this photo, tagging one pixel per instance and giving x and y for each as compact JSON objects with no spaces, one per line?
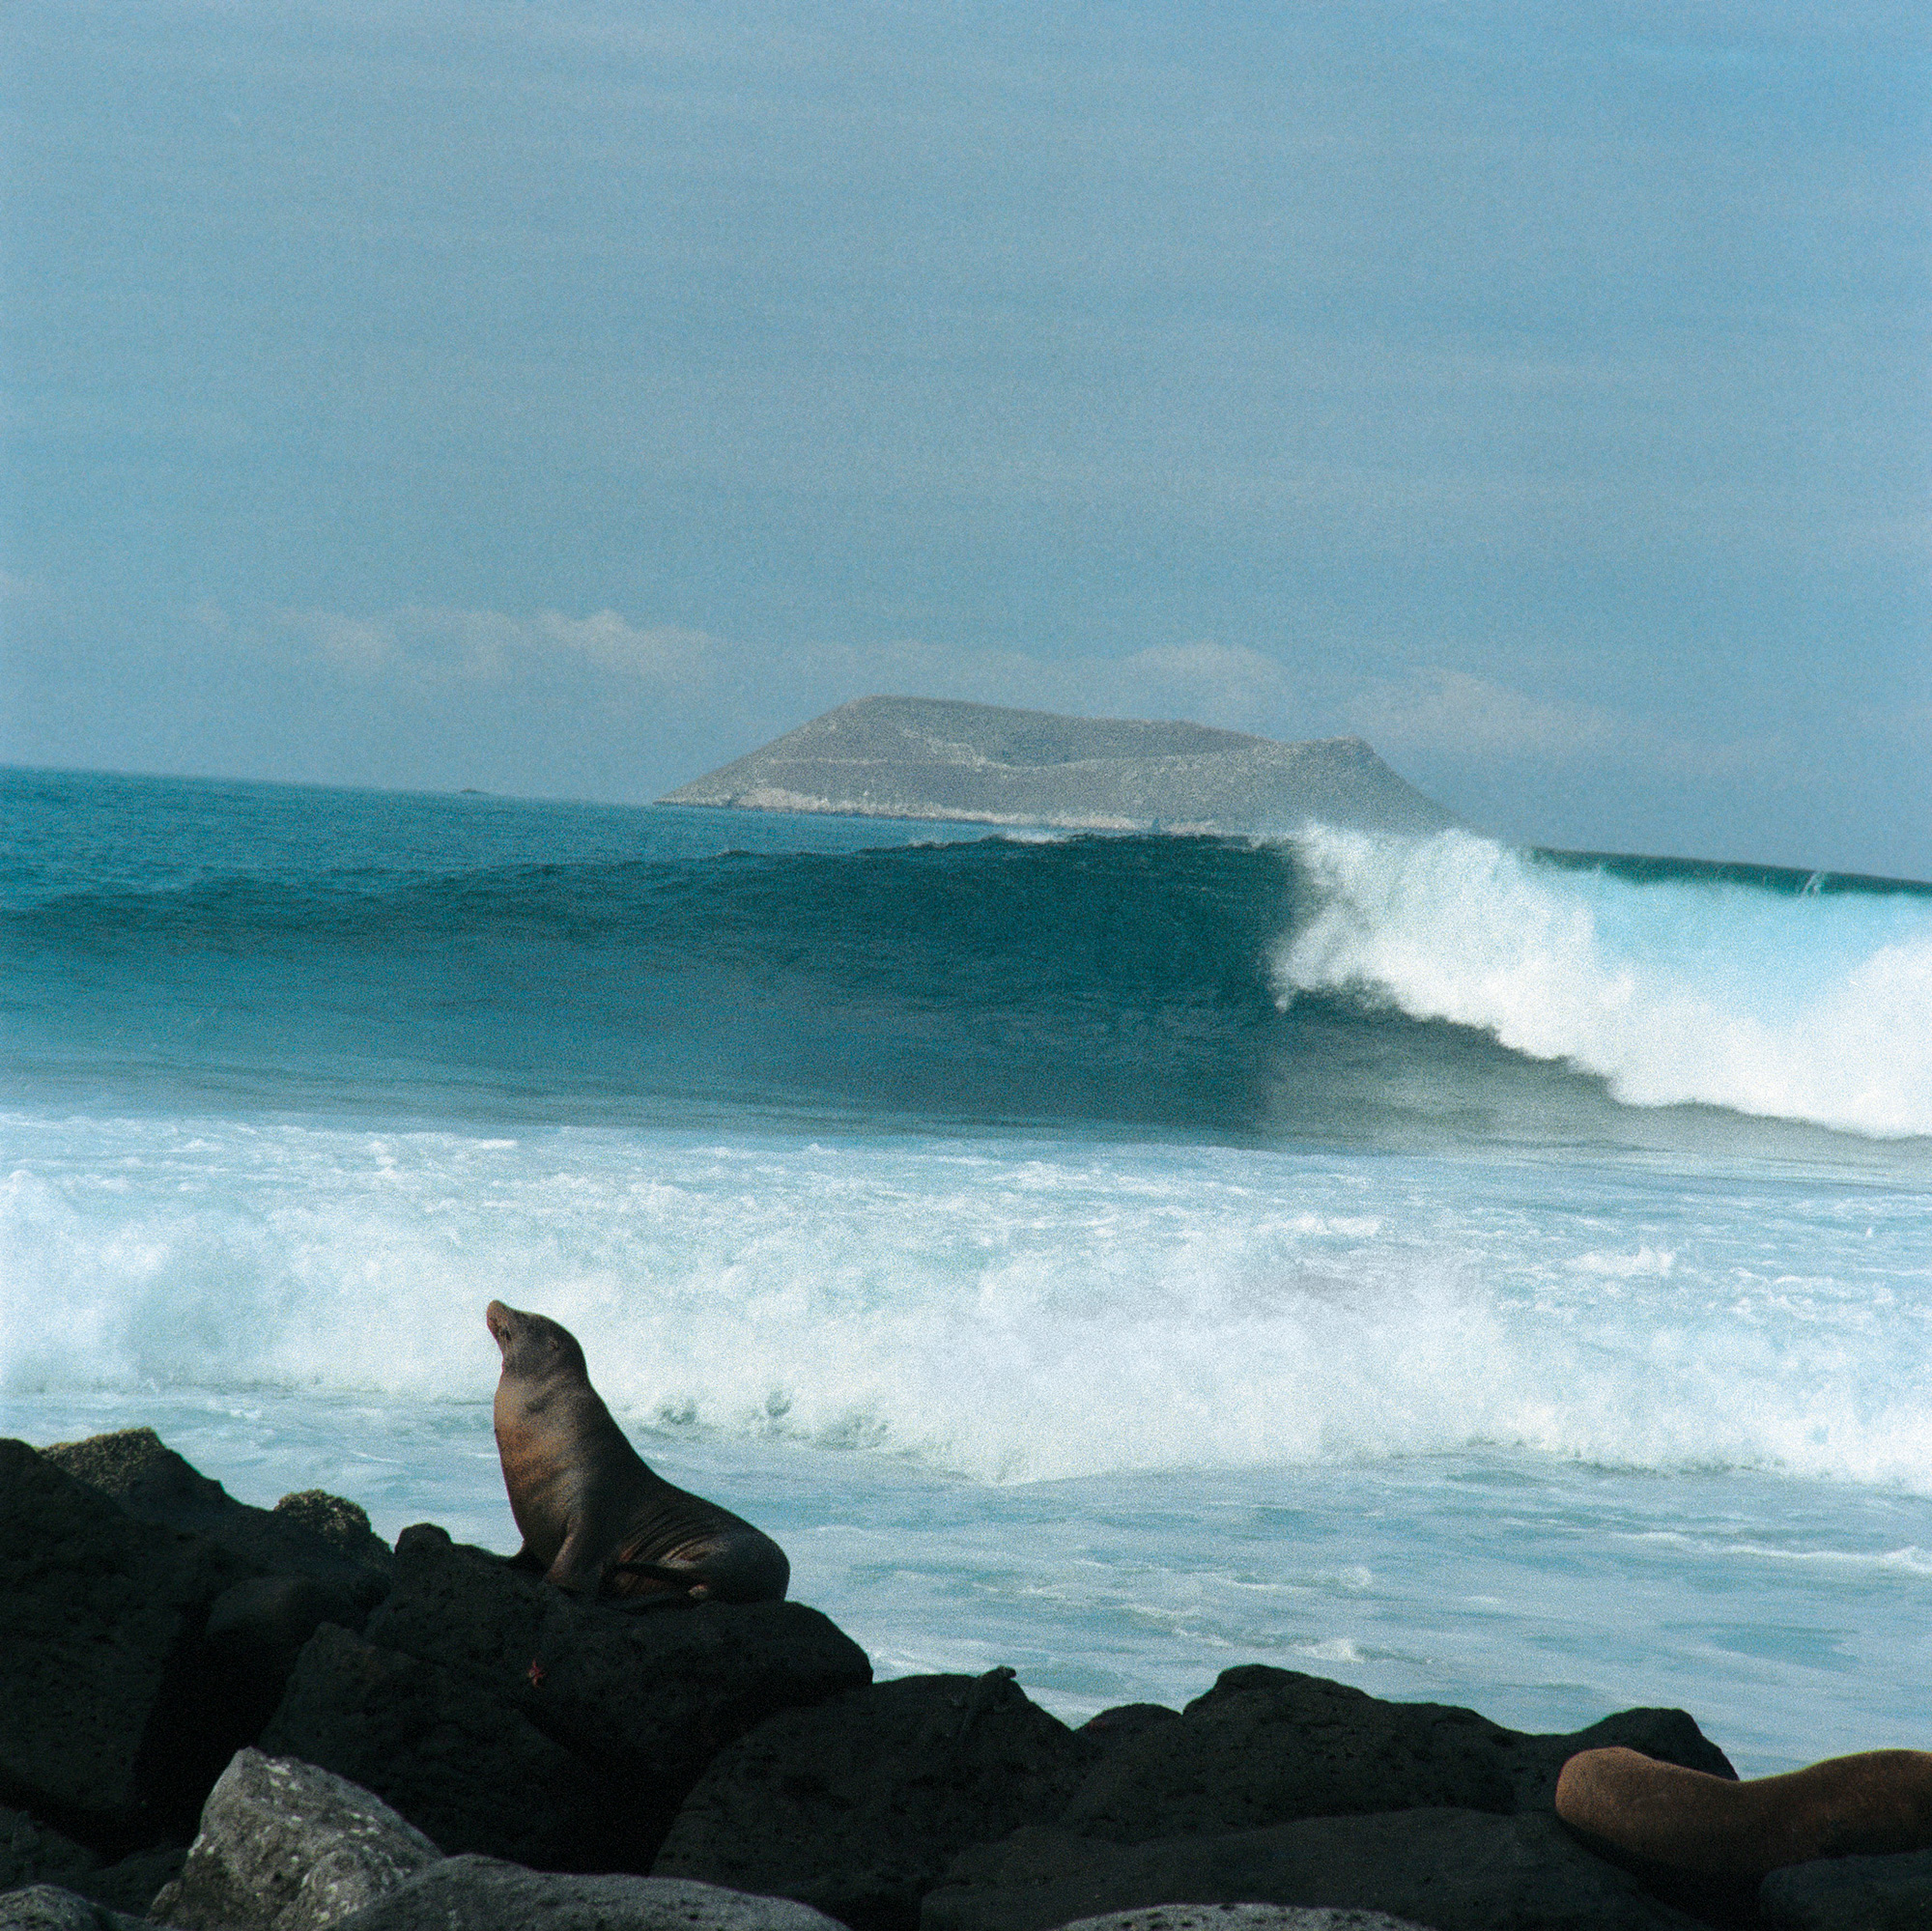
{"x":565,"y":398}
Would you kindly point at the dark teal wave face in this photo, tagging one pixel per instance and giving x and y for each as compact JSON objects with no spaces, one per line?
{"x":1114,"y":979}
{"x":1095,"y":981}
{"x":186,"y":945}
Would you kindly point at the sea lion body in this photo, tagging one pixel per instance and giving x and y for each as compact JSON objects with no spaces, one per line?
{"x":1875,"y":1802}
{"x":593,"y":1514}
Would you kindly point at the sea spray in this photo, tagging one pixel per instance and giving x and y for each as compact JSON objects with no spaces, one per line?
{"x":1010,"y":1310}
{"x":1674,"y":990}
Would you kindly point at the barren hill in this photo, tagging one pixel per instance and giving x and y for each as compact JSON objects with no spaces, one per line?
{"x":932,"y":758}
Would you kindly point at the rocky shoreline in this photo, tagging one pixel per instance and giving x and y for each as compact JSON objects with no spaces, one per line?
{"x":378,"y":1739}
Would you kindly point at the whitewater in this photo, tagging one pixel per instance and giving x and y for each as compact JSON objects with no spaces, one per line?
{"x":1474,"y":1274}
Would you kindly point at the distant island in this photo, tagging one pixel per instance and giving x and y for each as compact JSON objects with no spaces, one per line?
{"x":933,"y":757}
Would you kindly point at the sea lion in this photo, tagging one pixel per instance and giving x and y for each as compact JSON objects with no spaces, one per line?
{"x":1875,"y":1802}
{"x":593,"y":1516}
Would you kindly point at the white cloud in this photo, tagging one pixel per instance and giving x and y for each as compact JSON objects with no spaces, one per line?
{"x":1233,"y":686}
{"x":422,"y":644}
{"x":1451,"y":710}
{"x":1457,"y":715}
{"x":662,"y":654}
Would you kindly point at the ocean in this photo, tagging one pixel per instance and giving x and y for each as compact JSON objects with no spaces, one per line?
{"x":1480,"y":1275}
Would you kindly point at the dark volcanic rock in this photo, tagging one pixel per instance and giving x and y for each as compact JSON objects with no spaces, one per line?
{"x":46,"y":1907}
{"x":647,"y":1697}
{"x":100,"y":1621}
{"x":255,"y":1631}
{"x":1268,"y":1746}
{"x":1670,"y":1736}
{"x":344,"y":1525}
{"x":31,"y":1853}
{"x":1102,"y":1735}
{"x":315,"y":1538}
{"x":1450,"y":1869}
{"x":1891,"y":1893}
{"x":457,"y":1761}
{"x":482,"y":1894}
{"x":285,"y":1846}
{"x":858,"y":1807}
{"x":130,"y":1885}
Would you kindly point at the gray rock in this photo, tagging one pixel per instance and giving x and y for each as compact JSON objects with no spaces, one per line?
{"x":926,"y":757}
{"x":471,"y":1894}
{"x":646,"y":1698}
{"x":458,"y":1762}
{"x":155,"y":1484}
{"x":100,"y":1621}
{"x":858,"y":1807}
{"x":1892,"y":1894}
{"x":1450,"y":1869}
{"x":1242,"y":1917}
{"x":285,"y":1846}
{"x":31,"y":1851}
{"x":46,"y":1907}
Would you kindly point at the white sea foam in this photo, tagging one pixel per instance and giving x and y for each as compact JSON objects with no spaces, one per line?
{"x":1009,"y":1310}
{"x":1815,"y":1008}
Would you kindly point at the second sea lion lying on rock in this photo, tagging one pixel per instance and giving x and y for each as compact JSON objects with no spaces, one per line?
{"x":593,"y":1515}
{"x":1878,"y":1801}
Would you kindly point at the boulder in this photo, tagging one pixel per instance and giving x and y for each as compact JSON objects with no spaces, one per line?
{"x":34,"y":1853}
{"x":46,"y":1907}
{"x":254,"y":1633}
{"x":471,"y":1894}
{"x":31,"y":1852}
{"x":1102,"y":1735}
{"x":1452,"y":1870}
{"x":1533,"y":1762}
{"x":1268,"y":1746}
{"x":130,"y":1885}
{"x":342,"y":1525}
{"x":1890,"y":1893}
{"x":285,"y":1846}
{"x":856,"y":1806}
{"x":646,"y":1696}
{"x":312,"y":1534}
{"x":100,"y":1621}
{"x":458,"y":1762}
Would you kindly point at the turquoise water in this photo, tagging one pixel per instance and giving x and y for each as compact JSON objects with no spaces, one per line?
{"x":1471,"y":1276}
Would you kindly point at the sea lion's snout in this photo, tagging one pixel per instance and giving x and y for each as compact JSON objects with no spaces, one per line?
{"x":534,"y":1345}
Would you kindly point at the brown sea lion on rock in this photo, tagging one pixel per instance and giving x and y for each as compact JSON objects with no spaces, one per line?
{"x":593,"y":1515}
{"x":1878,"y":1801}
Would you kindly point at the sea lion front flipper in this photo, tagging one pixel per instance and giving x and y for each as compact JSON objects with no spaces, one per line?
{"x":577,"y":1568}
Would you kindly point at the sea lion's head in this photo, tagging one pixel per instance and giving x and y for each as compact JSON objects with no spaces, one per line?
{"x":534,"y":1347}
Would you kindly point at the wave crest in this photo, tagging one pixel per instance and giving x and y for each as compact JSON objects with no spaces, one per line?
{"x":1673,"y":991}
